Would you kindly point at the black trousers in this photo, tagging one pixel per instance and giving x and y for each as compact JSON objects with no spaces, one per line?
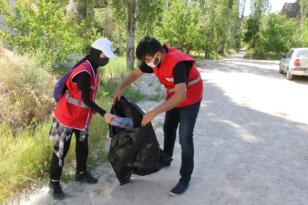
{"x":82,"y":152}
{"x":186,"y":118}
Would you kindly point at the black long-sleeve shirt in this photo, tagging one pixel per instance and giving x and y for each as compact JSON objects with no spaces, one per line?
{"x":83,"y":81}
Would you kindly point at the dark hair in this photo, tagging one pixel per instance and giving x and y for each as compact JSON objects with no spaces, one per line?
{"x":148,"y":46}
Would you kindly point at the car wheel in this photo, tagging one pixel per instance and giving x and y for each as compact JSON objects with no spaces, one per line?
{"x":289,"y":75}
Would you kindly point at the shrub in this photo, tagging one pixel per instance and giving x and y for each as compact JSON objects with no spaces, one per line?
{"x":25,"y":93}
{"x":42,"y":30}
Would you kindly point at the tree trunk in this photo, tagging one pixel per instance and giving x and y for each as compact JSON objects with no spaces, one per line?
{"x":86,"y":9}
{"x":238,"y":25}
{"x":131,"y":27}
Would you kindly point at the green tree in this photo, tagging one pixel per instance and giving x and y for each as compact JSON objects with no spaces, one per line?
{"x":4,"y":8}
{"x":133,"y":14}
{"x":252,"y":27}
{"x":221,"y":24}
{"x":86,"y":18}
{"x":41,"y":29}
{"x":251,"y":31}
{"x":277,"y":34}
{"x":86,"y":9}
{"x":3,"y":4}
{"x":180,"y":26}
{"x":259,"y":7}
{"x":302,"y":34}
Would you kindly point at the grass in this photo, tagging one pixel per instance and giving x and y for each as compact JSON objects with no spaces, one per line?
{"x":24,"y":123}
{"x":25,"y":93}
{"x":24,"y":158}
{"x":26,"y":150}
{"x":252,"y":54}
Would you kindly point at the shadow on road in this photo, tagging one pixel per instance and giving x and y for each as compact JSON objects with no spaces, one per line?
{"x":245,"y":156}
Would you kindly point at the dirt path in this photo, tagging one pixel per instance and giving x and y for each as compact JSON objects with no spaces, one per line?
{"x":251,"y":146}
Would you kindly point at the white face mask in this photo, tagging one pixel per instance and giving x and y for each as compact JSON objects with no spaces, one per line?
{"x":154,"y":63}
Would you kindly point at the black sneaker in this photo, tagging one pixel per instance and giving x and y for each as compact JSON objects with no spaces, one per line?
{"x":56,"y":190}
{"x":179,"y":189}
{"x":86,"y":177}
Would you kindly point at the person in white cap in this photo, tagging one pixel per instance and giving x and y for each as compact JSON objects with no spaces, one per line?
{"x":73,"y":114}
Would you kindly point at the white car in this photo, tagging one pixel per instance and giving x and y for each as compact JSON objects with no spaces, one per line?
{"x":295,"y":62}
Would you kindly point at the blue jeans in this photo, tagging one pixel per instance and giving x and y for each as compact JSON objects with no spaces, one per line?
{"x":186,"y":118}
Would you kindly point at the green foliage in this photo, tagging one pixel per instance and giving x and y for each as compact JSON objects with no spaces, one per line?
{"x":220,"y":23}
{"x":101,"y":4}
{"x":253,"y":23}
{"x":304,"y":8}
{"x":129,"y":14}
{"x":114,"y":68}
{"x":32,"y":154}
{"x":148,"y":13}
{"x":271,"y":34}
{"x":105,"y":24}
{"x":3,"y":4}
{"x":251,"y":31}
{"x":24,"y":158}
{"x":277,"y":34}
{"x":42,"y":30}
{"x":185,"y":36}
{"x":119,"y":8}
{"x":88,"y":21}
{"x":85,"y":8}
{"x":302,"y":34}
{"x":259,"y":7}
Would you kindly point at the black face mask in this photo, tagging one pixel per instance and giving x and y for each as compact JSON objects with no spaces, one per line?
{"x":102,"y":61}
{"x":94,"y":57}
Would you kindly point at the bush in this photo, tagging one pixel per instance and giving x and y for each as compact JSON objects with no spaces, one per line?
{"x":42,"y":30}
{"x":25,"y":93}
{"x":277,"y":34}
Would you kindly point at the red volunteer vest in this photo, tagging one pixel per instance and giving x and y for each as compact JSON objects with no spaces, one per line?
{"x":165,"y":75}
{"x":71,"y":111}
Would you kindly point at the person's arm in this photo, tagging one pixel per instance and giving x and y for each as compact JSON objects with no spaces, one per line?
{"x":180,"y":74}
{"x":132,"y":77}
{"x":83,"y":81}
{"x":178,"y":97}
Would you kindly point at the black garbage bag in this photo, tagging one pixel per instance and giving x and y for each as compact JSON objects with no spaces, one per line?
{"x":134,"y":151}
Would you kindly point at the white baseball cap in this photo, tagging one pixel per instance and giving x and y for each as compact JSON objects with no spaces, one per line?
{"x":104,"y":45}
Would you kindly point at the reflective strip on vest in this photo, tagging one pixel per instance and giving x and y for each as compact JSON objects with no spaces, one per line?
{"x":190,"y":83}
{"x":75,"y":101}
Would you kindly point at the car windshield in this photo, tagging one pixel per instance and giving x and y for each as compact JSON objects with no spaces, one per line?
{"x":302,"y":53}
